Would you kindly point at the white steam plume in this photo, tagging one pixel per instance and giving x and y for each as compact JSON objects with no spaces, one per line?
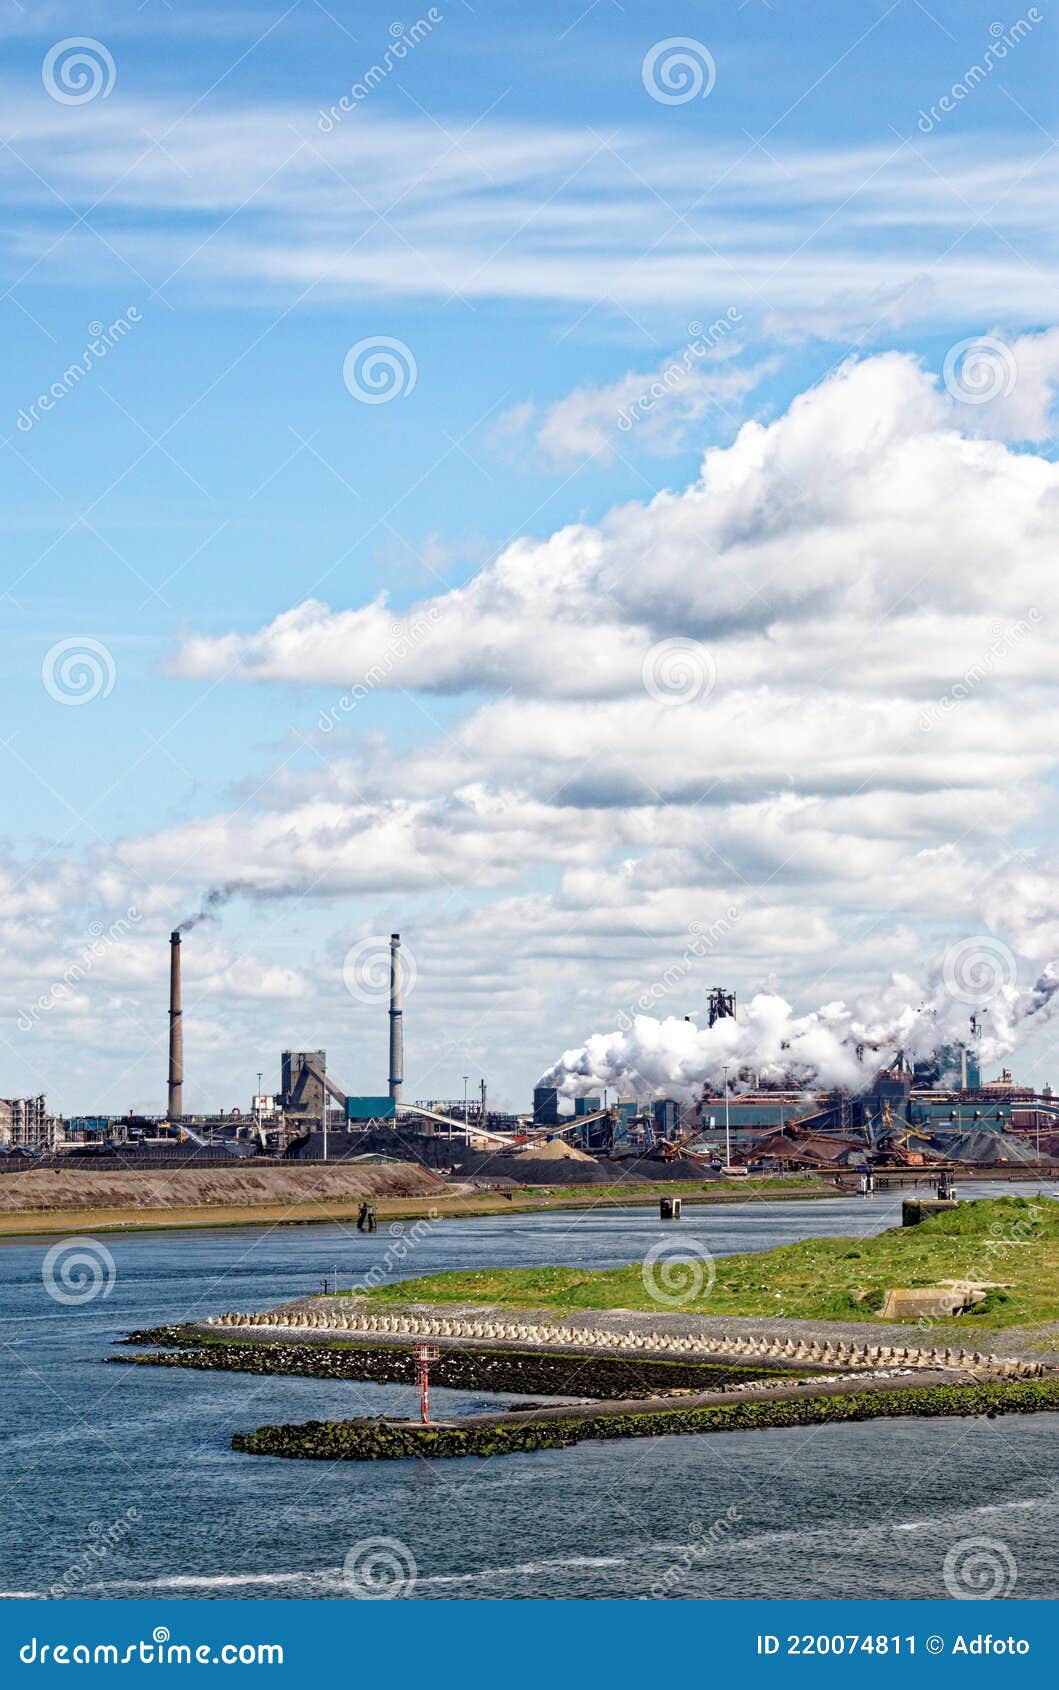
{"x":833,"y":1048}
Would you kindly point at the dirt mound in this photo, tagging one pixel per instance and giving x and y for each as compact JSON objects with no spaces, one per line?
{"x":682,"y":1168}
{"x":532,"y":1167}
{"x":529,"y":1169}
{"x":983,"y":1147}
{"x":187,"y":1188}
{"x":555,"y":1150}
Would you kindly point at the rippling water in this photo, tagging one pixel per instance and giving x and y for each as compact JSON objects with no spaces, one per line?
{"x":119,"y":1482}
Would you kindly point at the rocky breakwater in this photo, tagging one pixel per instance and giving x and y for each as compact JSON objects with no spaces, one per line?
{"x":525,"y":1372}
{"x":765,"y":1352}
{"x":630,"y":1376}
{"x":374,"y":1440}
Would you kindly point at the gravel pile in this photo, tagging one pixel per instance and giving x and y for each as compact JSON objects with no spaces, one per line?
{"x":530,"y":1167}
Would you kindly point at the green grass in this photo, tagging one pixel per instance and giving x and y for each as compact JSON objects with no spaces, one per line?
{"x":1013,"y":1240}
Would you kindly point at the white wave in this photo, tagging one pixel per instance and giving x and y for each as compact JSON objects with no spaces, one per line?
{"x":210,"y":1581}
{"x":526,"y":1568}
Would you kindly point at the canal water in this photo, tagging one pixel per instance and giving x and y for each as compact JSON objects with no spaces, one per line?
{"x":119,"y":1481}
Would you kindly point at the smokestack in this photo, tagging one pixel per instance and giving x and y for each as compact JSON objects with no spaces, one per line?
{"x":396,"y":1028}
{"x":176,"y":1033}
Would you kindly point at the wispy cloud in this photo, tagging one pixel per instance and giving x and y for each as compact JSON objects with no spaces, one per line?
{"x":654,"y":409}
{"x":237,"y":196}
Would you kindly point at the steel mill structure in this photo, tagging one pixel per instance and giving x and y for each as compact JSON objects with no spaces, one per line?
{"x":175,"y":1104}
{"x":396,"y":1020}
{"x":915,"y":1114}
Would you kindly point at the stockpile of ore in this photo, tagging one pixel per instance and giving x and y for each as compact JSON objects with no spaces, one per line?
{"x":558,"y":1163}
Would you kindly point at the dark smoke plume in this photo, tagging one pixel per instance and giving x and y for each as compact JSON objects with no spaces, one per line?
{"x":214,"y":900}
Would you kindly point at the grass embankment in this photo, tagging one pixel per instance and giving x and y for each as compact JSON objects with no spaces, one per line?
{"x":373,"y":1440}
{"x":38,"y":1222}
{"x":1010,"y":1240}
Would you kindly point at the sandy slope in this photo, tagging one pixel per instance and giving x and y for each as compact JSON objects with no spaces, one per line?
{"x":181,"y":1188}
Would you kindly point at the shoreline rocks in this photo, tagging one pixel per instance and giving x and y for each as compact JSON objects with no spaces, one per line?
{"x":374,"y":1440}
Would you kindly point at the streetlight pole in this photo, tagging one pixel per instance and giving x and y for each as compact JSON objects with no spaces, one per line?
{"x":727,"y":1127}
{"x":466,"y":1114}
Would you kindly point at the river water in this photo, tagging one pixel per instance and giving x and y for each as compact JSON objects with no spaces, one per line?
{"x":119,"y":1481}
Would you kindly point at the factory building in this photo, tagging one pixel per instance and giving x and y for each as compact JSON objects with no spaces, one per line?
{"x":303,"y":1082}
{"x":545,"y":1106}
{"x":909,"y":1111}
{"x":666,"y":1114}
{"x":364,"y":1111}
{"x":24,"y":1121}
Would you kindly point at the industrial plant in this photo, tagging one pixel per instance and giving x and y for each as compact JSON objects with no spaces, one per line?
{"x":915,"y":1114}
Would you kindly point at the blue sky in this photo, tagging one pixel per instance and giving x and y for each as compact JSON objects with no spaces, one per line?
{"x":511,"y":204}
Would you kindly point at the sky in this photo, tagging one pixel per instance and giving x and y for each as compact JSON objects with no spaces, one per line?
{"x":573,"y":483}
